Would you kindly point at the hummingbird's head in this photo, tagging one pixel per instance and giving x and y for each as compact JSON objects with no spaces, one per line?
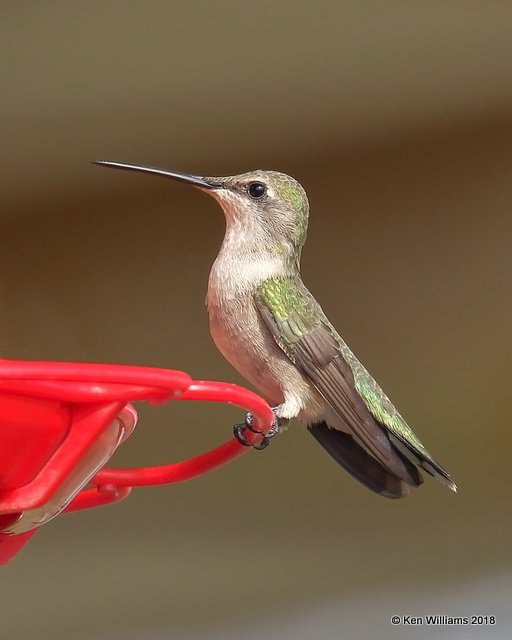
{"x":265,"y":206}
{"x":266,"y":209}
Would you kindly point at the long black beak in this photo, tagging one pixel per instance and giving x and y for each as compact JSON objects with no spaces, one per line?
{"x":197,"y":181}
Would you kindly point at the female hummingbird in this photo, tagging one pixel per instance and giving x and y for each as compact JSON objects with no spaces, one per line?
{"x":269,"y":326}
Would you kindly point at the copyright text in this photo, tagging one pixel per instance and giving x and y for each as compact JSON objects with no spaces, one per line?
{"x":433,"y":620}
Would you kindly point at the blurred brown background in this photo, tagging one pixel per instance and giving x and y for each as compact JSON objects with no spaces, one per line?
{"x":397,"y":119}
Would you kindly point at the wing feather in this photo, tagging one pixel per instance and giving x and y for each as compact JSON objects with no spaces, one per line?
{"x":300,"y":328}
{"x":309,"y":342}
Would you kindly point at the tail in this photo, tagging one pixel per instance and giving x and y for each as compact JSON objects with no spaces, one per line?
{"x":364,"y":467}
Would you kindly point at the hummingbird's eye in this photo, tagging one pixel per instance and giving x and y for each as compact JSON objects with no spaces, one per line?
{"x":257,"y":189}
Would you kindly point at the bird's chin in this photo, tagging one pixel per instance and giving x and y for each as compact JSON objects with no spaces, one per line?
{"x":231,"y":203}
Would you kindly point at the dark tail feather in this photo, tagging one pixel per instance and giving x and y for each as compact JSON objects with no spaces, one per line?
{"x":361,"y":465}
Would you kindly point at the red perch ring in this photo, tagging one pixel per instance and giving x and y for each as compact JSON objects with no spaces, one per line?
{"x":60,"y":423}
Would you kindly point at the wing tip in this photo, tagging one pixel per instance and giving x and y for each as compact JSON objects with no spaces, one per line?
{"x":441,"y":475}
{"x":448,"y":482}
{"x":429,"y":465}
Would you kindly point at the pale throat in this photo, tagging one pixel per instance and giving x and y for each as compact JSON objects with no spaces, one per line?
{"x":235,"y":273}
{"x":248,"y":256}
{"x":240,"y":267}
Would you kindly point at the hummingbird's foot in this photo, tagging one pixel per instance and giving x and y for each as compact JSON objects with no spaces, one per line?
{"x":238,"y":432}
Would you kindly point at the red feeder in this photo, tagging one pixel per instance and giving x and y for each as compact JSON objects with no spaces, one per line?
{"x":61,"y":422}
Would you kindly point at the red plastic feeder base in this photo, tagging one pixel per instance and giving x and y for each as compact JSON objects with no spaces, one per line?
{"x":61,"y":422}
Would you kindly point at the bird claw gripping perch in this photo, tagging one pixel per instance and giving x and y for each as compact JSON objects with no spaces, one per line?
{"x":238,"y":432}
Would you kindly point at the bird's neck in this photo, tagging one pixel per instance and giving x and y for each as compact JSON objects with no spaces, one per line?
{"x":243,"y":263}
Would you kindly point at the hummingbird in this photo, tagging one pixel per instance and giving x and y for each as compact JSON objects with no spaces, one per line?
{"x":269,"y":327}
